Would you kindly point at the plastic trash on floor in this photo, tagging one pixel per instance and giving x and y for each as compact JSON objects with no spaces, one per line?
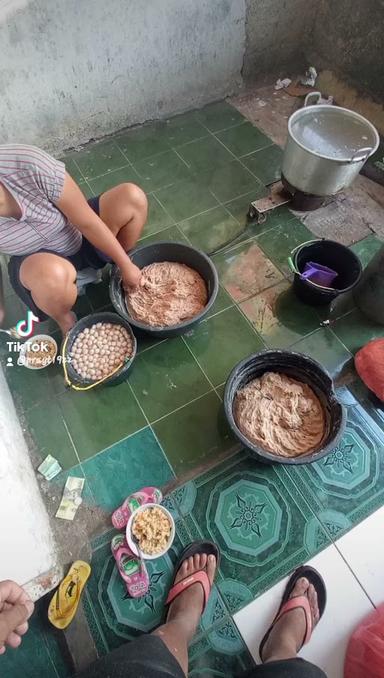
{"x":365,"y":652}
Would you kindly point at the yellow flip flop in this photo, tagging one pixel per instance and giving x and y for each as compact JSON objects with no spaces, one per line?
{"x":64,"y":603}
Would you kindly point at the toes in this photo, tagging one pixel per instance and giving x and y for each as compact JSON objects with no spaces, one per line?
{"x":22,"y":629}
{"x":313,"y":603}
{"x":211,"y":568}
{"x":196,"y":562}
{"x":300,"y":588}
{"x":13,"y":640}
{"x":203,"y":561}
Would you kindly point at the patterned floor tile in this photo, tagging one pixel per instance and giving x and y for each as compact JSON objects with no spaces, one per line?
{"x":143,"y":142}
{"x":260,"y":521}
{"x":245,"y":270}
{"x":185,"y":199}
{"x":211,"y":230}
{"x":100,"y":158}
{"x":243,"y":139}
{"x":197,"y":433}
{"x":219,"y":116}
{"x":355,"y":330}
{"x":279,"y":242}
{"x":265,"y":164}
{"x":160,"y":170}
{"x":128,"y":465}
{"x":221,"y":341}
{"x":367,"y":248}
{"x":43,"y":652}
{"x":230,"y":181}
{"x":348,"y":484}
{"x":325,"y":347}
{"x":99,"y":418}
{"x":167,"y":377}
{"x":279,"y":317}
{"x":219,"y":654}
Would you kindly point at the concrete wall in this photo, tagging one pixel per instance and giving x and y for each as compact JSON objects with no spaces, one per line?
{"x":73,"y":70}
{"x":348,"y":38}
{"x":276,"y":32}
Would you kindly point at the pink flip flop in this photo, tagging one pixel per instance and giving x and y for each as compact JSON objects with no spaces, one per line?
{"x":147,"y":495}
{"x":131,"y":570}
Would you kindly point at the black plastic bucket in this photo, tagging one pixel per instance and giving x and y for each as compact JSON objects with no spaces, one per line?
{"x":155,"y":253}
{"x":328,"y":253}
{"x":300,"y":367}
{"x":88,"y":321}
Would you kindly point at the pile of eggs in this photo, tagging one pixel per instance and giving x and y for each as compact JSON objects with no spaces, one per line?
{"x":100,"y":349}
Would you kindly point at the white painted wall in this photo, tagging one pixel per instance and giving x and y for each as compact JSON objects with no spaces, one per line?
{"x":27,"y":547}
{"x":75,"y":70}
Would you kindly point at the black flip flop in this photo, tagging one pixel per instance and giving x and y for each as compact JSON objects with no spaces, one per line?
{"x":197,"y":547}
{"x":314,"y":578}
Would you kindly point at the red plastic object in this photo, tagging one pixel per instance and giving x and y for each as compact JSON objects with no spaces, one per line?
{"x":369,"y":363}
{"x":365,"y":651}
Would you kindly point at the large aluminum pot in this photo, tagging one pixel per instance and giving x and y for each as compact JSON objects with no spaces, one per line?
{"x":326,"y":147}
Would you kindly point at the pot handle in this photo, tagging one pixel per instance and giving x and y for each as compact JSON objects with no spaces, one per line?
{"x":362,"y":154}
{"x":312,"y":95}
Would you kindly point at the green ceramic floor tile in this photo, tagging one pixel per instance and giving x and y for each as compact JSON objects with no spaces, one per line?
{"x":28,"y":387}
{"x":211,"y":230}
{"x":166,"y":377}
{"x":185,"y":199}
{"x":158,"y":219}
{"x":340,"y":306}
{"x":100,"y":158}
{"x":160,"y":170}
{"x":261,"y":523}
{"x":183,"y":128}
{"x":367,"y":248}
{"x":204,"y":154}
{"x":239,"y":206}
{"x":219,"y":116}
{"x":265,"y":164}
{"x":245,"y":270}
{"x":48,"y":433}
{"x":221,"y":341}
{"x":223,"y":300}
{"x":279,"y":242}
{"x":347,"y":485}
{"x":231,"y":180}
{"x":243,"y":139}
{"x":125,"y":467}
{"x":172,"y":233}
{"x":71,"y":167}
{"x":87,"y":190}
{"x":114,"y":178}
{"x":195,"y":434}
{"x":279,"y":317}
{"x":100,"y":418}
{"x":355,"y":330}
{"x":14,"y":310}
{"x":113,"y":617}
{"x":142,"y":142}
{"x":325,"y":347}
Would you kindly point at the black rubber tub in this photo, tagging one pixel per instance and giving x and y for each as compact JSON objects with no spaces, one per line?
{"x":300,"y":367}
{"x":328,"y":253}
{"x":88,"y":321}
{"x":155,"y":253}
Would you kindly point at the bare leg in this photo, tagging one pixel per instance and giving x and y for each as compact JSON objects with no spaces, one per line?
{"x":124,"y":209}
{"x":185,"y":611}
{"x":287,"y":635}
{"x":52,"y":283}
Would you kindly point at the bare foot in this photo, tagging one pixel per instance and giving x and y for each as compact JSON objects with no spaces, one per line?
{"x":287,"y":635}
{"x":187,"y":608}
